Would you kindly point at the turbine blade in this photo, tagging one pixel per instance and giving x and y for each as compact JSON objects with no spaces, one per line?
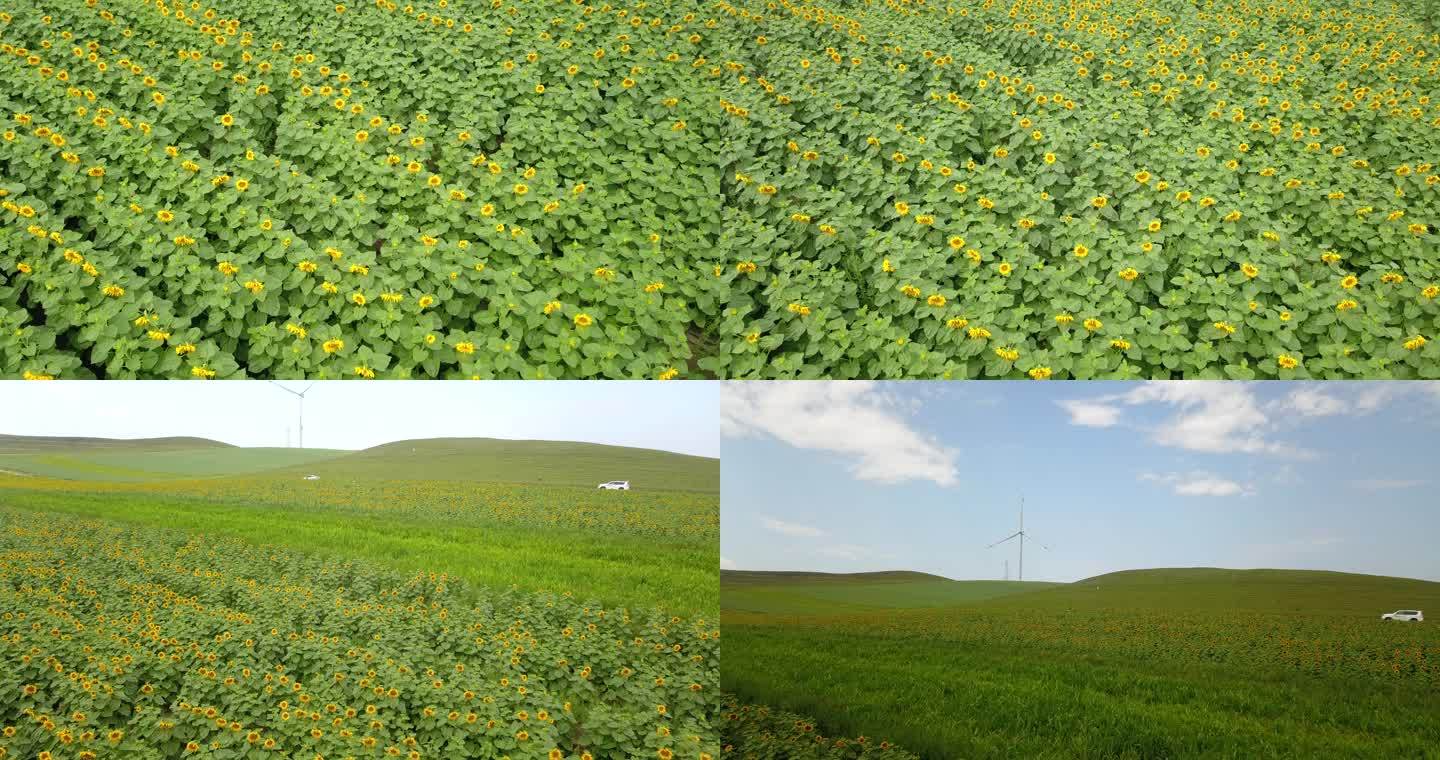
{"x":1001,"y":541}
{"x":1037,"y":543}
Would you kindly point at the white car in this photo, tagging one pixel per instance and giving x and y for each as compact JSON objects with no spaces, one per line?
{"x":615,"y":485}
{"x":1413,"y":616}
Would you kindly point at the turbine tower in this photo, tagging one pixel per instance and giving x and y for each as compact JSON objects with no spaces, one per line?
{"x":1020,"y":534}
{"x":300,"y":395}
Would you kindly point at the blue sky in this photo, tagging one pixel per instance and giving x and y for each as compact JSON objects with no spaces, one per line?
{"x":854,"y":476}
{"x":677,"y":417}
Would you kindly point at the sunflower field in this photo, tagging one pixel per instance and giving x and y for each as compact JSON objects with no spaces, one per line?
{"x":662,"y":515}
{"x":756,"y":732}
{"x":1054,"y":681}
{"x":283,"y":189}
{"x":552,"y":188}
{"x":159,"y":644}
{"x":657,"y":551}
{"x":1156,"y":188}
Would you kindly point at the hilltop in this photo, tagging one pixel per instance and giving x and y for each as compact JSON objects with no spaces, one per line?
{"x":39,"y":444}
{"x":805,"y":593}
{"x":548,"y":462}
{"x":452,"y":459}
{"x":1258,"y":590}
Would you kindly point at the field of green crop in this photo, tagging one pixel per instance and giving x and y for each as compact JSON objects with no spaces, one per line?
{"x":755,"y":732}
{"x":441,"y":189}
{"x":539,"y":188}
{"x":1124,"y":189}
{"x":263,"y":615}
{"x":148,"y":642}
{"x":1136,"y":664}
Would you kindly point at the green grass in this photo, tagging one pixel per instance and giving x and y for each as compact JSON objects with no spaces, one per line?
{"x":40,"y":444}
{"x":1163,"y":663}
{"x":1301,"y":591}
{"x":140,"y":465}
{"x":820,"y":593}
{"x":952,"y":702}
{"x":449,"y":459}
{"x":548,"y":462}
{"x":495,"y":512}
{"x":616,"y":570}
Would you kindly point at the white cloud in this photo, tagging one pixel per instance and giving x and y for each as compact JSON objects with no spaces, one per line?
{"x":1376,"y":395}
{"x":1228,"y":417}
{"x":1197,"y":484}
{"x":1091,"y":413}
{"x":727,"y":564}
{"x":844,"y":551}
{"x":1213,"y":416}
{"x":852,"y":418}
{"x":1208,"y":487}
{"x":1327,"y":399}
{"x":1310,"y":401}
{"x":791,"y":529}
{"x":1380,"y":485}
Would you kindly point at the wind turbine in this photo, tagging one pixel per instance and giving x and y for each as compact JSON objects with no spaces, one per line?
{"x":300,"y":395}
{"x":1020,"y":534}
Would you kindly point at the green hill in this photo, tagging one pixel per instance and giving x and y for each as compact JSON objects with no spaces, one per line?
{"x":793,"y":577}
{"x":548,"y":462}
{"x":40,"y":444}
{"x":800,"y":593}
{"x":450,"y":459}
{"x":1205,"y":588}
{"x":1290,"y":591}
{"x":148,"y":459}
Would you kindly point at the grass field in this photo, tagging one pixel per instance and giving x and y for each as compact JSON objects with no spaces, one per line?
{"x":1155,"y":663}
{"x":450,"y":459}
{"x":449,"y":618}
{"x":551,"y":462}
{"x":423,"y":505}
{"x":144,"y":464}
{"x":820,"y":593}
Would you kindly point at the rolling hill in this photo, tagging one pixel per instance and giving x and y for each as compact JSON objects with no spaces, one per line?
{"x":547,"y":462}
{"x":453,"y":459}
{"x":144,"y":459}
{"x":39,"y":444}
{"x":1311,"y":592}
{"x":801,"y":593}
{"x":1261,"y":590}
